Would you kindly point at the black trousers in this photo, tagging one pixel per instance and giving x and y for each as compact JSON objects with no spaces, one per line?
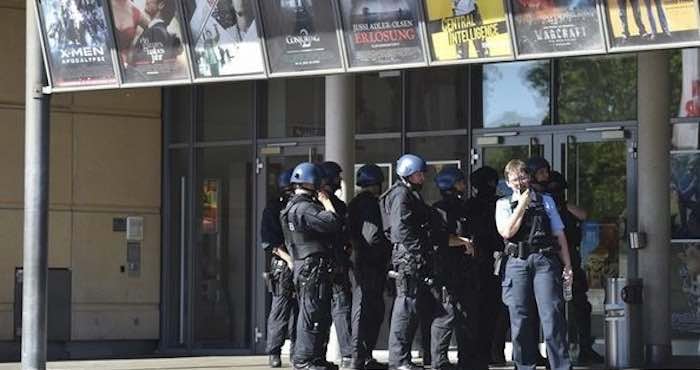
{"x":341,"y":309}
{"x":491,"y":312}
{"x":410,"y":308}
{"x":313,"y":283}
{"x":455,"y":313}
{"x":281,"y":322}
{"x":367,"y":309}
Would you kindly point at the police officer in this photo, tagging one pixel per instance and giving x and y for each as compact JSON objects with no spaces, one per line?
{"x":372,"y":255}
{"x":455,"y":284}
{"x":573,"y":216}
{"x":406,"y":220}
{"x":493,"y":321}
{"x":308,"y":222}
{"x":281,"y":322}
{"x":341,"y":305}
{"x":535,"y":242}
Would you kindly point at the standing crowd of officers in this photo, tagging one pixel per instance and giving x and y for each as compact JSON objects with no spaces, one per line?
{"x":453,"y":266}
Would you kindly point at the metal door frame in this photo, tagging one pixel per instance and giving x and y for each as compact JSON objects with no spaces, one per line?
{"x":263,"y":152}
{"x":484,"y":140}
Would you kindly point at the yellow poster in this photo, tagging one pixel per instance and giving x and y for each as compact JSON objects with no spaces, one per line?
{"x":652,"y":22}
{"x":467,"y":29}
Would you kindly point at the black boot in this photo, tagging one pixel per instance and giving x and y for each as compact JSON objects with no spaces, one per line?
{"x":275,"y":360}
{"x":372,"y":364}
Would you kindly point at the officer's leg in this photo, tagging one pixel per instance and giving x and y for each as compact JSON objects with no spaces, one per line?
{"x":277,"y":323}
{"x":518,"y":295}
{"x":425,"y":307}
{"x":487,"y":306}
{"x":314,"y":296}
{"x":359,"y":301}
{"x":550,"y":304}
{"x":404,"y":322}
{"x":467,"y":330}
{"x":374,"y":308}
{"x":441,"y":333}
{"x":341,"y":309}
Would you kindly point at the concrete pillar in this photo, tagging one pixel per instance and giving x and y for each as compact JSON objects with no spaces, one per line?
{"x":340,"y":148}
{"x":653,"y":200}
{"x":340,"y":128}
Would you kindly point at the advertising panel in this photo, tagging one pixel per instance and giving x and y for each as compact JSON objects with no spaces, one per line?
{"x":301,"y":36}
{"x":78,"y":42}
{"x":382,"y":33}
{"x":150,"y":40}
{"x":467,"y":30}
{"x":685,"y":290}
{"x":224,"y":38}
{"x":636,"y":24}
{"x":550,"y":27}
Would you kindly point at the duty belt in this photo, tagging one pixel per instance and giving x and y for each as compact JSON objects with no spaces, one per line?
{"x":523,"y":249}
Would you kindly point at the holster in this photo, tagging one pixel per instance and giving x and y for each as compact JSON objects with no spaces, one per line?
{"x":310,"y":281}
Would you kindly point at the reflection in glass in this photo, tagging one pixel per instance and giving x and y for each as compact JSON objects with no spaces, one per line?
{"x":378,"y":103}
{"x":598,"y":89}
{"x":295,"y":108}
{"x":685,"y":194}
{"x":181,"y":108}
{"x":685,"y":291}
{"x":176,"y":219}
{"x":435,"y":100}
{"x":516,"y":94}
{"x":226,"y":113}
{"x":222,"y":247}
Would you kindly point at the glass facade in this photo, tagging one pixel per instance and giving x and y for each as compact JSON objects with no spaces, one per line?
{"x":465,"y":116}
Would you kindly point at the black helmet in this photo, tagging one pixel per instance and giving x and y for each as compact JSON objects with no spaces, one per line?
{"x":307,"y":173}
{"x":448,"y":177}
{"x":285,"y":179}
{"x":368,"y":175}
{"x":483,"y":176}
{"x":535,"y":164}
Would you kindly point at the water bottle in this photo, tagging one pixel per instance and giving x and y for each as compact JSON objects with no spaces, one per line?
{"x":569,"y":288}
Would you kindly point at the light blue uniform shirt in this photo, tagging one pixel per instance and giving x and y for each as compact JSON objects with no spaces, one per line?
{"x":504,"y":211}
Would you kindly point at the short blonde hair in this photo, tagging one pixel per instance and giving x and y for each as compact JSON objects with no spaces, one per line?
{"x":515,"y":166}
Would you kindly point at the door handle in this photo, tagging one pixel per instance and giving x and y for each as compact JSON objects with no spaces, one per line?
{"x":533,"y":142}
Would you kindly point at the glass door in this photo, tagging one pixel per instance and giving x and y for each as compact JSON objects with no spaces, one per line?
{"x":599,"y":167}
{"x":497,"y":149}
{"x":272,"y":160}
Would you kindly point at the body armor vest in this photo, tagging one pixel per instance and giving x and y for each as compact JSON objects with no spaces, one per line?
{"x":535,"y":229}
{"x":301,"y":243}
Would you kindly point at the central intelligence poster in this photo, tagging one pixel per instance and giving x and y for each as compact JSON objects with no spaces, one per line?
{"x":300,"y":35}
{"x":224,"y":38}
{"x":467,"y":30}
{"x":636,"y":23}
{"x":382,"y":32}
{"x":150,"y":40}
{"x":78,"y":42}
{"x":557,"y":26}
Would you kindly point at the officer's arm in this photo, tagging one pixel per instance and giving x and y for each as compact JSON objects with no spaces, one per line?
{"x":558,"y":231}
{"x":282,"y":253}
{"x":320,"y":220}
{"x":509,"y":223}
{"x":402,"y":222}
{"x":270,"y":230}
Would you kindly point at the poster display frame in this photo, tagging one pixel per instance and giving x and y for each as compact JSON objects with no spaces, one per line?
{"x":51,"y":87}
{"x":662,"y":46}
{"x":438,"y":63}
{"x":313,"y":72}
{"x":237,"y":77}
{"x":602,"y":26}
{"x":420,"y":18}
{"x":186,"y":50}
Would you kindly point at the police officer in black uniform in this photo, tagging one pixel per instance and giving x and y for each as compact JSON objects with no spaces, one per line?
{"x":573,"y":217}
{"x":308,"y":222}
{"x":481,"y":213}
{"x":406,"y":220}
{"x":455,"y":286}
{"x":372,"y":255}
{"x":281,"y":322}
{"x":341,"y":305}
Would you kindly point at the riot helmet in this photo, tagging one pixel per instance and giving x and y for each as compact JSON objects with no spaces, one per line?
{"x":485,"y":180}
{"x":307,"y":173}
{"x":331,"y":174}
{"x":284,"y":180}
{"x":409,"y":164}
{"x":368,"y":175}
{"x":448,"y":178}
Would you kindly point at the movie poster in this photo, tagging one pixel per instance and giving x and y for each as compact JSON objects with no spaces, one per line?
{"x":690,"y":89}
{"x":300,"y":35}
{"x":224,"y":38}
{"x":467,"y":30}
{"x":150,"y":40}
{"x":382,"y":32}
{"x":635,"y":23}
{"x":78,"y":42}
{"x":685,"y":289}
{"x":557,"y":26}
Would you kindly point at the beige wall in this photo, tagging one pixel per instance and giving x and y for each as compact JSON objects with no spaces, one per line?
{"x":105,"y":163}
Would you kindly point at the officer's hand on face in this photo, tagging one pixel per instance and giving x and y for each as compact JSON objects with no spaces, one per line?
{"x":525,"y":198}
{"x":326,"y":201}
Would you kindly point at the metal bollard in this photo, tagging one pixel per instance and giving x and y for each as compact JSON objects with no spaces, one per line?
{"x":623,"y":323}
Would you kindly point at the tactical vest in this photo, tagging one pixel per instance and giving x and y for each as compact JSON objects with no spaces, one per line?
{"x":535,"y":229}
{"x":300,"y":243}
